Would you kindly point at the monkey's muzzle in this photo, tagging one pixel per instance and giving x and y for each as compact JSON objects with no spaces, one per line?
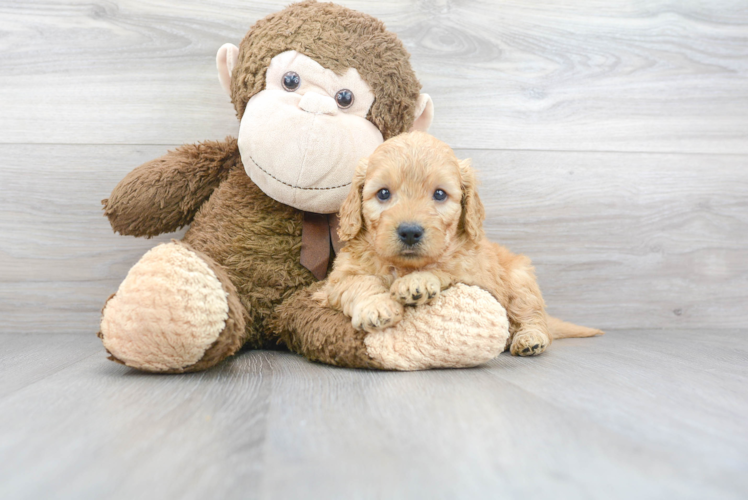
{"x":301,"y":158}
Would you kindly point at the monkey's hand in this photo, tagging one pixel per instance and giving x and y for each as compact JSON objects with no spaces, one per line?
{"x":165,"y":194}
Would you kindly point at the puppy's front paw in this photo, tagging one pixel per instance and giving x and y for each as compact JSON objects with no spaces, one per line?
{"x":377,"y":313}
{"x":415,"y":288}
{"x":321,"y":297}
{"x":529,"y":343}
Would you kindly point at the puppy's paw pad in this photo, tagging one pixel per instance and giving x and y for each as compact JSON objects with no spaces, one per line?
{"x":528,"y":344}
{"x":415,"y":289}
{"x":377,"y":314}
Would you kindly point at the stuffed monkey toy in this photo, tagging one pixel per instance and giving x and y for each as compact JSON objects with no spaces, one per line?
{"x":316,"y":87}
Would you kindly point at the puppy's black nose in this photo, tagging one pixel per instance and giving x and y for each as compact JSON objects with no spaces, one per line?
{"x":410,"y":234}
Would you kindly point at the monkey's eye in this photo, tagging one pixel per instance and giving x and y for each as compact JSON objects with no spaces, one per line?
{"x":344,"y":98}
{"x":291,"y":81}
{"x":383,"y":194}
{"x":440,"y":195}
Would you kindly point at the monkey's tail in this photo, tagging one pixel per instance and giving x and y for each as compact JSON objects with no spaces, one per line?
{"x":563,"y":330}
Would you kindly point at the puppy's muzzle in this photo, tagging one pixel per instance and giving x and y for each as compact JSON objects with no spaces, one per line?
{"x":410,"y":234}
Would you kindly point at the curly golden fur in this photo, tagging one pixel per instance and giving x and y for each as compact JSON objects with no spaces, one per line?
{"x":413,"y":226}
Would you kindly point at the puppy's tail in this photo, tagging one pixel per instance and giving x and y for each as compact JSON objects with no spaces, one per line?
{"x":563,"y":330}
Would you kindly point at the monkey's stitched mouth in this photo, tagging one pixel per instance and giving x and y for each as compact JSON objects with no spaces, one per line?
{"x":297,"y":187}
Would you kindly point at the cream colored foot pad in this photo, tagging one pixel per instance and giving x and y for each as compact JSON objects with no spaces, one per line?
{"x":464,"y":326}
{"x":167,"y":312}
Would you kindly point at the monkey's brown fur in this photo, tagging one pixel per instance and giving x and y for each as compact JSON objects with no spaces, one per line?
{"x":338,"y":39}
{"x":250,"y":241}
{"x":377,"y":273}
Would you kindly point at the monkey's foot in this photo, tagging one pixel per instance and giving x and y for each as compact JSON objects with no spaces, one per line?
{"x":463,"y":326}
{"x":175,"y":311}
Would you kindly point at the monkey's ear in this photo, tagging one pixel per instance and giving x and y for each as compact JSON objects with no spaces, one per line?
{"x":351,"y":217}
{"x":226,"y":59}
{"x":473,"y":211}
{"x":424,"y":113}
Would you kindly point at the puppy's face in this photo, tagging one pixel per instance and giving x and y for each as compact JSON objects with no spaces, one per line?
{"x":412,"y":200}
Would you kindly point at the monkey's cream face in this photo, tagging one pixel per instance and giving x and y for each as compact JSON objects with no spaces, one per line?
{"x":301,"y":138}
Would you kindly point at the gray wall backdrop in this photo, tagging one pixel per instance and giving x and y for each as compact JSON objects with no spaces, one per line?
{"x":611,"y":139}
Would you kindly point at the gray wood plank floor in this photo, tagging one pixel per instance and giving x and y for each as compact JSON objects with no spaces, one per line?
{"x":633,"y":414}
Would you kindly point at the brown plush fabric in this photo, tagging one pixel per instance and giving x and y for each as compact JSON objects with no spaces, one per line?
{"x":249,"y":240}
{"x":235,"y":333}
{"x":320,"y":333}
{"x":338,"y":38}
{"x":164,"y":194}
{"x":253,"y":244}
{"x":257,"y":241}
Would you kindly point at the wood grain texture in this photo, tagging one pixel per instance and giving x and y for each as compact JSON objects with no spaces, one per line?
{"x":619,"y":240}
{"x":626,"y":240}
{"x":612,"y":142}
{"x":650,"y":75}
{"x":633,"y":414}
{"x":59,"y":259}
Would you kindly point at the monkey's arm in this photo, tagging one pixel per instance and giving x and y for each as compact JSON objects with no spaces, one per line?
{"x":165,"y":194}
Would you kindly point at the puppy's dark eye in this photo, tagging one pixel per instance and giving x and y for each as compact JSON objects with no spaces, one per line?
{"x":383,"y":194}
{"x":344,"y":98}
{"x":440,"y":195}
{"x":291,"y":81}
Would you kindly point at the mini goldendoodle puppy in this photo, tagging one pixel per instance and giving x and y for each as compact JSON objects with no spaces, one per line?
{"x":413,"y":226}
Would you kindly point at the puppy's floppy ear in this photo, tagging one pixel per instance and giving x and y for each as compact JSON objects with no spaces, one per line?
{"x":351,"y":218}
{"x":473,"y":212}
